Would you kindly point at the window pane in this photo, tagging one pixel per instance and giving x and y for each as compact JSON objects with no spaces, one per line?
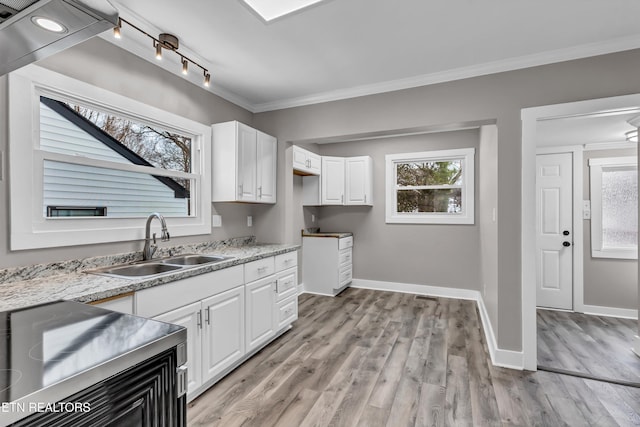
{"x":440,"y":200}
{"x":78,"y":130}
{"x":121,"y":193}
{"x":429,"y":173}
{"x":619,"y":208}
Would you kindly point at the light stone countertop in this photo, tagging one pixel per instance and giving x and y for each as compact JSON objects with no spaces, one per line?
{"x":71,"y":283}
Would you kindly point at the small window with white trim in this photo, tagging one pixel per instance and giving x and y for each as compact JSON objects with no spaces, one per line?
{"x":431,"y":187}
{"x":614,"y":207}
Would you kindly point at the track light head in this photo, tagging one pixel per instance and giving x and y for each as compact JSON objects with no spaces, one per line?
{"x":207,"y":79}
{"x":185,"y":66}
{"x":116,"y":29}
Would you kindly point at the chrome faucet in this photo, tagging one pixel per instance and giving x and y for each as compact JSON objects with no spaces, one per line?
{"x":149,"y":249}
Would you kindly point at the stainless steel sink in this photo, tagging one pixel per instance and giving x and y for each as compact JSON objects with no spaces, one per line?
{"x":193,"y":259}
{"x":159,"y":266}
{"x":137,"y":270}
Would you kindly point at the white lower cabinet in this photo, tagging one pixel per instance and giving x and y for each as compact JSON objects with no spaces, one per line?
{"x":215,"y":334}
{"x":260,"y":313}
{"x":223,"y":338}
{"x":229,"y":314}
{"x":189,"y":316}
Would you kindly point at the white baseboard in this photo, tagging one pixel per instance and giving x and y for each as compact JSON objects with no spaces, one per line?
{"x":499,"y":357}
{"x":636,"y":345}
{"x":624,"y":313}
{"x":408,"y":288}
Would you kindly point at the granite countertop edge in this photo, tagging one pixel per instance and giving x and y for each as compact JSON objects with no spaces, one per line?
{"x":85,"y":288}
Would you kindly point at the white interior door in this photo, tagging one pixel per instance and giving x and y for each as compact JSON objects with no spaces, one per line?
{"x":554,"y":231}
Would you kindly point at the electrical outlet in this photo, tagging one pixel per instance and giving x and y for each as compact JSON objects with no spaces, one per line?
{"x":216,"y":220}
{"x":249,"y":221}
{"x":313,"y":218}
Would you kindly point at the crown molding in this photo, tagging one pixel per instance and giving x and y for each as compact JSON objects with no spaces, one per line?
{"x":511,"y":64}
{"x":577,"y":52}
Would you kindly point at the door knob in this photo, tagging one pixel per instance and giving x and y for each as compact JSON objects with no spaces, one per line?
{"x":565,"y":244}
{"x":565,"y":233}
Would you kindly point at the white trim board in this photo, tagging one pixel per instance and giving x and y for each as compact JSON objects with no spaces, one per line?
{"x":598,"y":310}
{"x":499,"y":357}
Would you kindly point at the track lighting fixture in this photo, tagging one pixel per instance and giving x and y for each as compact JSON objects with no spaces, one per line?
{"x":165,"y":41}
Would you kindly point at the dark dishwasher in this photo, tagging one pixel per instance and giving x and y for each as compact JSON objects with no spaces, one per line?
{"x":69,"y":364}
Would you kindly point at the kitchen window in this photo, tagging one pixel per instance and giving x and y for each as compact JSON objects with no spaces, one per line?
{"x":95,"y":164}
{"x":432,"y":187}
{"x":614,"y":207}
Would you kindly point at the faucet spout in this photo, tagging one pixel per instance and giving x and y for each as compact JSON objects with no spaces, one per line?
{"x":150,"y":248}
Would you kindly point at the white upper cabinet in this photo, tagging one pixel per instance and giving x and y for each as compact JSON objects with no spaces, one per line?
{"x":266,"y":167}
{"x":332,"y":180}
{"x":243,"y":164}
{"x":358,"y":185}
{"x":305,"y":162}
{"x":344,"y":181}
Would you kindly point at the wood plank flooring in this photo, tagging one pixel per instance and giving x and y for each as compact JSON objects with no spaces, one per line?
{"x":371,"y":358}
{"x":593,"y":345}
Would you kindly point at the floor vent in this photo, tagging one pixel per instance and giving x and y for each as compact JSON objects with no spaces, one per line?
{"x":426,"y":297}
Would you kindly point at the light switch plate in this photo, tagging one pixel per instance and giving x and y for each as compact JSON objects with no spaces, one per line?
{"x":586,"y":209}
{"x":249,"y":221}
{"x":216,"y":220}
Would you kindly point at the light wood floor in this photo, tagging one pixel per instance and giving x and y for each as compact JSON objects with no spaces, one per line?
{"x":370,"y":358}
{"x":593,"y":345}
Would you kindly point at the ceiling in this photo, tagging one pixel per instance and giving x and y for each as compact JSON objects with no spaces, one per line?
{"x":343,"y":48}
{"x":599,"y":128}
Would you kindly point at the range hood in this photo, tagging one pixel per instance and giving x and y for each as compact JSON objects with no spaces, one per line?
{"x":22,"y":41}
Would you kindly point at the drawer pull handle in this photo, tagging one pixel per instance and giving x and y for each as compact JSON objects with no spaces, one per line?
{"x":261,"y":269}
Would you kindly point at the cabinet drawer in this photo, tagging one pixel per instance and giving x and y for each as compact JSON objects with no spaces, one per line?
{"x":345,"y":276}
{"x":288,"y":260}
{"x":344,"y":257}
{"x":258,"y":269}
{"x":345,"y":242}
{"x":286,"y":311}
{"x":285,"y":285}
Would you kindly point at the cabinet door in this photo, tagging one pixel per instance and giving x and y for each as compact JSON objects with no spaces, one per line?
{"x":247,"y":155}
{"x":260,"y":302}
{"x":223,"y":340}
{"x":266,"y":167}
{"x":358,"y":180}
{"x":190,"y":317}
{"x":332,"y":179}
{"x":299,"y":158}
{"x":314,"y":162}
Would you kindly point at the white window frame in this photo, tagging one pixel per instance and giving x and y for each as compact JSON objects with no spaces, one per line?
{"x":596,"y":167}
{"x":467,"y":216}
{"x":29,"y":228}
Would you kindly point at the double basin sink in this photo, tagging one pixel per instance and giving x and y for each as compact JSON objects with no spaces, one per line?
{"x":155,"y":267}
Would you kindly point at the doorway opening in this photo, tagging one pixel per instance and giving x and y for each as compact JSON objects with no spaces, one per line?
{"x":536,"y":121}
